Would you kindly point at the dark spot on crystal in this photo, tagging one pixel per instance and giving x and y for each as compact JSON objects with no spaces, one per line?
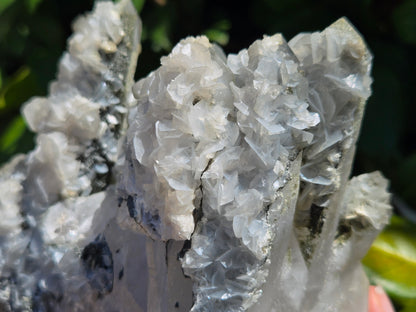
{"x":98,"y":264}
{"x":197,"y":213}
{"x":196,"y":100}
{"x":130,"y":207}
{"x":148,"y":221}
{"x":169,"y":242}
{"x":177,"y":304}
{"x":105,"y":56}
{"x":121,"y":274}
{"x":103,"y":112}
{"x":267,"y":208}
{"x":289,"y":90}
{"x":344,"y":230}
{"x":151,"y":220}
{"x":359,"y":222}
{"x":316,"y":219}
{"x":231,"y":118}
{"x":94,"y":155}
{"x":291,"y":157}
{"x":25,"y":226}
{"x":307,"y":249}
{"x":186,"y":246}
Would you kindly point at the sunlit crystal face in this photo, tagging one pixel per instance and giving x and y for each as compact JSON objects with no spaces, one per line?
{"x":180,"y":122}
{"x":232,"y":142}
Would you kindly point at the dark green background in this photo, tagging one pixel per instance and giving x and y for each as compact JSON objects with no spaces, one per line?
{"x":33,"y":35}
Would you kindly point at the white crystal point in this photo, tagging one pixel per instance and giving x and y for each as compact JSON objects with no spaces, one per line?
{"x":365,"y":210}
{"x":69,"y":222}
{"x":367,"y":201}
{"x":102,"y":31}
{"x":331,"y":60}
{"x":180,"y":122}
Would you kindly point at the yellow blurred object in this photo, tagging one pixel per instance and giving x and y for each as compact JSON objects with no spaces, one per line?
{"x":391,"y":262}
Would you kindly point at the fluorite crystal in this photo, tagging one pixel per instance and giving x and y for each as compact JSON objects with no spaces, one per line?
{"x":214,"y":184}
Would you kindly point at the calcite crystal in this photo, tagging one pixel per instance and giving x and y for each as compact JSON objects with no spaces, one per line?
{"x":213,"y":184}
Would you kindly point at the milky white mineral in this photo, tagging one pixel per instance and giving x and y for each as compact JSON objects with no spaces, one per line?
{"x":216,"y":183}
{"x":54,"y":200}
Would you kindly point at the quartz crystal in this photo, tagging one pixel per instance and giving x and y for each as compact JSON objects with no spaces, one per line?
{"x":216,"y":183}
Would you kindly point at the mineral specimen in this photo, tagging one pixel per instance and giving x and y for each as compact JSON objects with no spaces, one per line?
{"x":214,"y":184}
{"x":55,"y":195}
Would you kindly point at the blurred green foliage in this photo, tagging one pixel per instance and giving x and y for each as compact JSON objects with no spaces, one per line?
{"x":33,"y":35}
{"x":391,"y":263}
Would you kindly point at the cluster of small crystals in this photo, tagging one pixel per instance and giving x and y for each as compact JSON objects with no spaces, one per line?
{"x":179,"y":124}
{"x":274,"y":122}
{"x":337,"y":65}
{"x":337,"y":282}
{"x":77,"y":123}
{"x":363,"y":212}
{"x":371,"y":189}
{"x":240,"y":187}
{"x":51,"y":195}
{"x":243,"y":182}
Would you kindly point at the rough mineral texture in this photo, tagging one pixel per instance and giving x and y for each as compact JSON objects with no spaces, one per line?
{"x":213,"y":184}
{"x":57,"y":200}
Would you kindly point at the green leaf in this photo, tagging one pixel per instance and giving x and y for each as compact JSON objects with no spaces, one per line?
{"x":138,"y":4}
{"x":12,"y":134}
{"x":218,"y":36}
{"x":219,"y":32}
{"x":222,"y":25}
{"x":4,"y":4}
{"x":160,"y":38}
{"x":391,"y":262}
{"x":31,"y":5}
{"x":19,"y":88}
{"x":410,"y":307}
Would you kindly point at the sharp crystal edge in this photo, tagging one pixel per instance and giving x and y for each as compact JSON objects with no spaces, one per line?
{"x":216,"y":183}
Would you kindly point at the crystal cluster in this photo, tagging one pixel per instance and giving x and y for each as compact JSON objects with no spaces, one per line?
{"x":216,"y":183}
{"x":51,"y":196}
{"x":179,"y":124}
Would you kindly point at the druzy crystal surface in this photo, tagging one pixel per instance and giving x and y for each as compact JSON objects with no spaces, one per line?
{"x":216,"y":183}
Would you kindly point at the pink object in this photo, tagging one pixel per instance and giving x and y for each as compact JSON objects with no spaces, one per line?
{"x":378,"y":301}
